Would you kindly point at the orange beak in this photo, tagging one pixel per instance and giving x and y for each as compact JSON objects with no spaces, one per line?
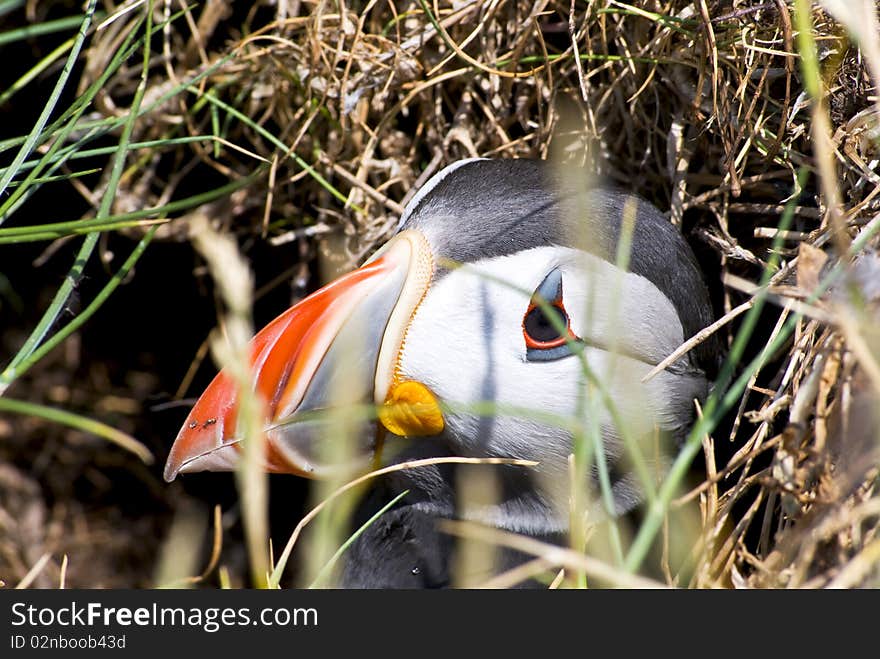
{"x":339,"y":346}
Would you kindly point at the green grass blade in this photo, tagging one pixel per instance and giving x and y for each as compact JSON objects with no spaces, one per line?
{"x":52,"y":313}
{"x":68,"y":121}
{"x":60,"y":177}
{"x":36,"y":70}
{"x":77,"y":154}
{"x":97,"y":130}
{"x":78,"y":422}
{"x":36,"y":131}
{"x":76,"y":227}
{"x":49,"y":27}
{"x":71,"y":116}
{"x":9,"y":6}
{"x":86,"y":313}
{"x":59,"y":130}
{"x":67,"y":286}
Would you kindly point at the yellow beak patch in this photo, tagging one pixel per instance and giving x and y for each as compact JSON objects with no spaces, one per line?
{"x":411,"y":410}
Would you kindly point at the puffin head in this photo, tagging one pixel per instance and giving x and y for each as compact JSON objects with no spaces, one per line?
{"x":474,"y":328}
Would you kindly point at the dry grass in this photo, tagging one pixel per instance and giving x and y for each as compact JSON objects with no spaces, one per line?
{"x":700,"y":106}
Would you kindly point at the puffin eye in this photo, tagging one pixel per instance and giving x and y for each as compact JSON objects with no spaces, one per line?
{"x":540,"y":331}
{"x":546,"y":324}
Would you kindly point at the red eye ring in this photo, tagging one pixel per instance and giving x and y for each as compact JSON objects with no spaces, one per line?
{"x":536,"y":322}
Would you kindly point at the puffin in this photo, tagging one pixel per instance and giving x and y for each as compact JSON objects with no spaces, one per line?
{"x":511,"y":290}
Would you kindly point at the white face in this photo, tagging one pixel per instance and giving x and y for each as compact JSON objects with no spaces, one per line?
{"x":466,"y":343}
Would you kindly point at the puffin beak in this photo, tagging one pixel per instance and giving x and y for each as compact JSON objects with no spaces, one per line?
{"x":339,"y":346}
